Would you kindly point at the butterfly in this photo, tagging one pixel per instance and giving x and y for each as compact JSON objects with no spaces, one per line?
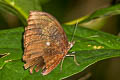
{"x":45,"y":43}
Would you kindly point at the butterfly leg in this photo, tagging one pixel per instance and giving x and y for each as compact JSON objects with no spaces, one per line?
{"x":62,"y":63}
{"x":75,"y":60}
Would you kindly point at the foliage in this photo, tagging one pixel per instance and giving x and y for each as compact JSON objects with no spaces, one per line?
{"x":91,"y":46}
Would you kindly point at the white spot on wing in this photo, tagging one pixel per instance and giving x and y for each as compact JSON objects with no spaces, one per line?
{"x":48,"y":43}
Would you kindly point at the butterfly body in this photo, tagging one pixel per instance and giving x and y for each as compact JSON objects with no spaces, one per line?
{"x":45,"y":42}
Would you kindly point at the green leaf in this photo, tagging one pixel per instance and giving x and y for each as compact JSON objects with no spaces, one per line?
{"x":104,"y":12}
{"x":110,"y":11}
{"x":91,"y":46}
{"x":24,"y":6}
{"x":10,"y":45}
{"x":4,"y":7}
{"x":20,"y":8}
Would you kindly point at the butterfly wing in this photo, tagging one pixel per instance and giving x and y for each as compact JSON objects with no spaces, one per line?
{"x":45,"y":42}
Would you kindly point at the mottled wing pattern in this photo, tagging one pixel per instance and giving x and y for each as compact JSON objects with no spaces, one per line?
{"x":45,"y":42}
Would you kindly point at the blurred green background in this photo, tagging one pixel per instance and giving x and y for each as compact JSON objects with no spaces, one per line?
{"x":66,"y":11}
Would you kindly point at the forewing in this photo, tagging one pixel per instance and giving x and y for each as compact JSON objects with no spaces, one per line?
{"x":45,"y":42}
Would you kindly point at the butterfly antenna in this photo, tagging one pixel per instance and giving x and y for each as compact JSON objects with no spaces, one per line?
{"x":74,"y":31}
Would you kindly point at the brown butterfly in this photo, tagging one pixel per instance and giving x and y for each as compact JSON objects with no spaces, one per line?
{"x":45,"y":42}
